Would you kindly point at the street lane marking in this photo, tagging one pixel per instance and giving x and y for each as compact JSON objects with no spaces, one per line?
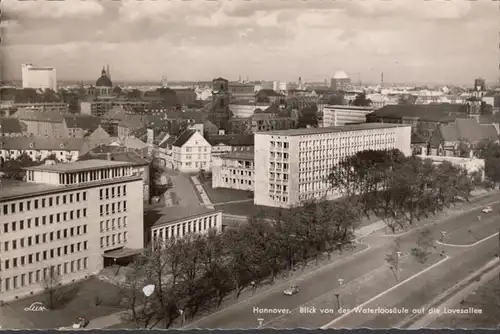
{"x":469,"y":245}
{"x":285,"y":283}
{"x":338,"y":288}
{"x":328,"y":325}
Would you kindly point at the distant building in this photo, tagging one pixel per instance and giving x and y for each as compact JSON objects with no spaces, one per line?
{"x":340,"y":81}
{"x":219,"y":113}
{"x":241,"y":90}
{"x":38,"y":77}
{"x":235,"y":170}
{"x":11,"y":127}
{"x":274,"y":118}
{"x":42,"y":123}
{"x":292,"y":166}
{"x":73,"y":218}
{"x":335,"y":115}
{"x":40,"y":148}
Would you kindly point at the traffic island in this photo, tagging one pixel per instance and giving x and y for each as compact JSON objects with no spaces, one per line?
{"x":471,"y":235}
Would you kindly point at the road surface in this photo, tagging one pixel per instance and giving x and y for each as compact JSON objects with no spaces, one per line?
{"x":353,"y":270}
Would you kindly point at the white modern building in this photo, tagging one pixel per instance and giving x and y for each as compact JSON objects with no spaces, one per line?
{"x":235,"y":170}
{"x":292,"y":166}
{"x":72,"y":218}
{"x":38,"y":77}
{"x":180,"y":221}
{"x":338,"y":115}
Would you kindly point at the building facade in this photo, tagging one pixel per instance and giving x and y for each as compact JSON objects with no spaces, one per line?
{"x":179,"y":222}
{"x":235,"y":170}
{"x":38,"y":77}
{"x":40,"y":148}
{"x":292,"y":166}
{"x":335,"y":115}
{"x":190,"y":152}
{"x":67,"y":218}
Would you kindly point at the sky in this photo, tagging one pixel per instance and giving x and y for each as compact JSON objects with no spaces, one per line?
{"x":417,"y":41}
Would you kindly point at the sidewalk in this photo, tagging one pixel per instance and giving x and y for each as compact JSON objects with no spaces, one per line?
{"x":202,"y":192}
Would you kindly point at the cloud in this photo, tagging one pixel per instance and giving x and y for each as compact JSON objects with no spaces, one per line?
{"x":24,"y":10}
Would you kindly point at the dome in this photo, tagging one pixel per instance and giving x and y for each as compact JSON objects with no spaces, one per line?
{"x":104,"y":80}
{"x":340,"y":75}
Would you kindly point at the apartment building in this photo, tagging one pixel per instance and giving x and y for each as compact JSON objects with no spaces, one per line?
{"x":37,"y":77}
{"x":181,"y":221}
{"x":235,"y":170}
{"x":40,"y":148}
{"x":337,"y":115}
{"x":291,"y":166}
{"x":69,"y":218}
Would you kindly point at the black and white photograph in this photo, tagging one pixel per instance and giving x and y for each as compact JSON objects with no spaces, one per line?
{"x":249,"y":164}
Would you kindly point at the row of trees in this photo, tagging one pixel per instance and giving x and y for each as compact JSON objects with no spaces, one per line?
{"x":197,"y":272}
{"x":399,"y":189}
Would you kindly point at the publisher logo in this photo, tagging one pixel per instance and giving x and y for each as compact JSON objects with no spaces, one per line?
{"x":35,"y":307}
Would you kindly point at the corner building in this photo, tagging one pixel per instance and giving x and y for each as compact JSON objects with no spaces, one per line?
{"x":292,"y":166}
{"x":73,"y":217}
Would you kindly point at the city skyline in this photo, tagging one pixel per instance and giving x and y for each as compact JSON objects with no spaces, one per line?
{"x":421,"y":42}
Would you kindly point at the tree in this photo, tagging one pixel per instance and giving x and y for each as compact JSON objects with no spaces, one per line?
{"x":407,"y":99}
{"x":394,"y":258}
{"x":336,"y":98}
{"x":51,"y":281}
{"x":425,"y":242}
{"x":308,"y":116}
{"x":361,"y":100}
{"x":117,"y":91}
{"x":464,"y":148}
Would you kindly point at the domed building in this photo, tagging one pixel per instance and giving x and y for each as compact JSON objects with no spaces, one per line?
{"x":103,"y":85}
{"x":340,"y":81}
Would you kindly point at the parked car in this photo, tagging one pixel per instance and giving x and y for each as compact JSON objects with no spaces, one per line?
{"x":487,"y":209}
{"x":291,"y":290}
{"x":81,"y":323}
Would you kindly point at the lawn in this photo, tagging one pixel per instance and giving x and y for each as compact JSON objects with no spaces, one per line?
{"x":222,"y":195}
{"x":245,"y":208}
{"x":486,"y":298}
{"x":477,"y":231}
{"x":76,"y":300}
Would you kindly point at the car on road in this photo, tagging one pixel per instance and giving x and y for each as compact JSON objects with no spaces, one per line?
{"x":487,"y":209}
{"x":291,"y":290}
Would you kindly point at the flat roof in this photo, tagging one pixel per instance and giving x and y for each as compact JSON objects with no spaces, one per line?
{"x":14,"y":189}
{"x":79,"y":166}
{"x":248,"y":155}
{"x":344,"y":128}
{"x":175,"y":214}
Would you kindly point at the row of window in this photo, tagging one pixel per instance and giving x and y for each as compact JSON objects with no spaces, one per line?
{"x":45,"y":255}
{"x":43,"y":238}
{"x":112,"y":208}
{"x":109,"y":224}
{"x":278,"y":176}
{"x":187,"y":227}
{"x":112,"y":192}
{"x":44,"y":220}
{"x":94,"y":175}
{"x":283,"y":199}
{"x":349,"y":139}
{"x":38,"y":276}
{"x":279,"y":144}
{"x":279,"y":155}
{"x":241,"y":172}
{"x":234,"y":181}
{"x":47,"y":202}
{"x":111,"y":240}
{"x":193,"y":149}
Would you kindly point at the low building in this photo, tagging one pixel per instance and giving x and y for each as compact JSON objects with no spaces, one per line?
{"x":71,"y":218}
{"x":471,"y":165}
{"x":235,"y":170}
{"x":42,"y":123}
{"x":40,"y":148}
{"x":273,"y":118}
{"x":79,"y":126}
{"x":181,"y":221}
{"x":336,"y":115}
{"x":222,"y":144}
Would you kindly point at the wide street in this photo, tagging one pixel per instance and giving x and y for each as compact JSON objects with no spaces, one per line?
{"x":358,"y":272}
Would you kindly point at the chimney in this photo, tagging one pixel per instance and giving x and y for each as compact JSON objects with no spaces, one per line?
{"x":108,"y":156}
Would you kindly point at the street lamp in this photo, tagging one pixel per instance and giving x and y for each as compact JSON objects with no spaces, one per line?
{"x":443,"y":235}
{"x":398,"y":256}
{"x":341,"y":283}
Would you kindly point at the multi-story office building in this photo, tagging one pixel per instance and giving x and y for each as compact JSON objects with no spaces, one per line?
{"x":73,"y":218}
{"x":234,"y":170}
{"x":181,"y":221}
{"x":38,"y":77}
{"x":292,"y":166}
{"x":336,"y":115}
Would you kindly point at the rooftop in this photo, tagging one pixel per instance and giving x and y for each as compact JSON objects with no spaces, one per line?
{"x":174,"y":214}
{"x":344,"y":128}
{"x":13,"y":188}
{"x":246,"y":155}
{"x":79,"y":166}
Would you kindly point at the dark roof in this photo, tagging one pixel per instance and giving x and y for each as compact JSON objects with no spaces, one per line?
{"x":429,"y":112}
{"x":469,"y":130}
{"x":183,"y":138}
{"x":26,"y":114}
{"x":174,"y":214}
{"x":418,"y":139}
{"x":198,"y":116}
{"x":343,"y":128}
{"x":42,"y":143}
{"x":169,"y":141}
{"x":103,"y":81}
{"x":89,"y":123}
{"x":231,"y":140}
{"x":220,"y":79}
{"x":268,"y":92}
{"x":130,"y":156}
{"x":10,"y":125}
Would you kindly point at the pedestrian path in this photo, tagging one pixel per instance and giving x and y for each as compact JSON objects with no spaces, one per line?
{"x":202,"y":193}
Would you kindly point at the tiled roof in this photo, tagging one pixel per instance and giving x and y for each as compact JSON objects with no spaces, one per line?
{"x":38,"y":115}
{"x":469,"y":130}
{"x":418,"y":139}
{"x":10,"y":125}
{"x":231,"y":140}
{"x":130,"y":156}
{"x":428,"y":112}
{"x":268,"y":92}
{"x":169,"y":141}
{"x":220,"y":79}
{"x":183,"y":138}
{"x":89,"y":123}
{"x":41,"y":143}
{"x":198,"y":116}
